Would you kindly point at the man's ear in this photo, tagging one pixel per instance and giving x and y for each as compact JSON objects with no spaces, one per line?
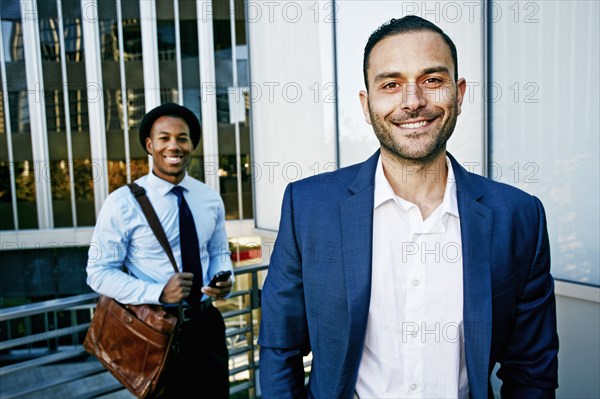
{"x":148,"y":145}
{"x":461,"y":87}
{"x":364,"y":102}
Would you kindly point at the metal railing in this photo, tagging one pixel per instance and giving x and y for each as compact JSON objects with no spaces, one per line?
{"x":41,"y":345}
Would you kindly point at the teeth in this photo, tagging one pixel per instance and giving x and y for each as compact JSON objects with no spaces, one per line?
{"x":173,"y":159}
{"x":413,"y":125}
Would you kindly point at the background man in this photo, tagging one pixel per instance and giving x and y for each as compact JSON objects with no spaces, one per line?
{"x":405,"y":275}
{"x":133,"y":268}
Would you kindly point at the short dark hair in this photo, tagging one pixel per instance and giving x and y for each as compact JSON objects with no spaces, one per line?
{"x":409,"y":23}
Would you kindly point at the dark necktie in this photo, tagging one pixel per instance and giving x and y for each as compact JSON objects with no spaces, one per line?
{"x":188,"y":240}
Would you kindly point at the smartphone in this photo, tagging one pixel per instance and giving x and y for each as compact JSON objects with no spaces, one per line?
{"x":220,"y":276}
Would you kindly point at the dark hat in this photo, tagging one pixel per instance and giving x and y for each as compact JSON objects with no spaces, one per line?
{"x":170,"y":109}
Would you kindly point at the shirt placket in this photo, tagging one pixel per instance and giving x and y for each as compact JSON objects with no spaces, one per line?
{"x":415,"y":303}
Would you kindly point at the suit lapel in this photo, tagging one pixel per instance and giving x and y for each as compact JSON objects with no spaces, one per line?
{"x":476,"y":222}
{"x":356,"y":219}
{"x":356,"y":216}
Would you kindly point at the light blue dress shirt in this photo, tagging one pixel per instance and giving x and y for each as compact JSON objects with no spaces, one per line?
{"x":125,"y":260}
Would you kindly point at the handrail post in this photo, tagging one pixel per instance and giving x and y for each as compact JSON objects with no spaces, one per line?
{"x":250,"y":335}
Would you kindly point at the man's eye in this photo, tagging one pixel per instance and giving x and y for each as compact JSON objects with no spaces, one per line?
{"x":433,"y":81}
{"x":391,"y":85}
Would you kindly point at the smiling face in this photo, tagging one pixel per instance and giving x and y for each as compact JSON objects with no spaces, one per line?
{"x":170,"y":145}
{"x":413,"y":101}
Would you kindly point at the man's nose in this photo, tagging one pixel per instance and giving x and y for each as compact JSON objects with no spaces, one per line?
{"x":413,"y":97}
{"x":173,"y":144}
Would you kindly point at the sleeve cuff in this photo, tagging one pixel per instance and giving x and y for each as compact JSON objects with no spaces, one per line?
{"x":152,"y":296}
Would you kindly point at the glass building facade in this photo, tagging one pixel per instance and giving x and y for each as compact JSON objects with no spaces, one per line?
{"x":77,"y":78}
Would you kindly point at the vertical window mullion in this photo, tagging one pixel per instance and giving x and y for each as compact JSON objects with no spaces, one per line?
{"x":37,"y":107}
{"x":123,"y":91}
{"x":208,"y":99}
{"x":487,"y":79}
{"x":8,"y":130}
{"x":150,"y":60}
{"x":178,"y":52}
{"x":150,"y":50}
{"x":67,"y":111}
{"x":238,"y":159}
{"x":93,"y":71}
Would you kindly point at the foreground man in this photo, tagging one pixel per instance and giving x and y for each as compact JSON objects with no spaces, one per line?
{"x":405,"y":275}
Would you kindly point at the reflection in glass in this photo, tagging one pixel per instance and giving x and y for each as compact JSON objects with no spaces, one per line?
{"x":166,"y":39}
{"x":6,"y":209}
{"x":69,"y":168}
{"x":20,"y":130}
{"x":190,"y":76}
{"x":124,"y":104}
{"x":233,"y":109}
{"x":541,"y":143}
{"x":7,"y":219}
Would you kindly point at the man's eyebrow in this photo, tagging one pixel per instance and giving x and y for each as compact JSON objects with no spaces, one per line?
{"x":387,"y":75}
{"x":436,"y":69}
{"x":179,"y":134}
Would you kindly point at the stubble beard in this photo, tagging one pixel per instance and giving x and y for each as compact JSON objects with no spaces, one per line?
{"x":407,"y":154}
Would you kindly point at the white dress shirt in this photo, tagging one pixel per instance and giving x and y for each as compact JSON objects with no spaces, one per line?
{"x":123,"y":238}
{"x":414,"y":345}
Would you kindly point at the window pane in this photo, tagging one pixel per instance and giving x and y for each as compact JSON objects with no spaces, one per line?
{"x":18,"y":109}
{"x":64,"y":167}
{"x":244,"y":125}
{"x":6,"y":209}
{"x":232,"y":109}
{"x":545,"y":123}
{"x":119,"y":115}
{"x":190,"y":76}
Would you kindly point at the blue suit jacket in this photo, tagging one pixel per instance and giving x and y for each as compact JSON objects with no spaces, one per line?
{"x":317,"y":291}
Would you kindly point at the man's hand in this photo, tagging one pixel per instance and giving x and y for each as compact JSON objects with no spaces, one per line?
{"x":223,"y":288}
{"x":178,"y":288}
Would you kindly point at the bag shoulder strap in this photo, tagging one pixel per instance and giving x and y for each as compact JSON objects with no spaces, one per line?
{"x":140,"y":195}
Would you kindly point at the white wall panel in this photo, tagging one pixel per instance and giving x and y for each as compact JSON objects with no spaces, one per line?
{"x":292,"y":95}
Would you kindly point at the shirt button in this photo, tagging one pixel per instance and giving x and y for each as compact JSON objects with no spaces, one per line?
{"x":415,"y":282}
{"x":413,"y":386}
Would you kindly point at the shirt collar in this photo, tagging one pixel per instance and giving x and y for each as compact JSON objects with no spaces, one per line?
{"x":163,"y":187}
{"x":450,"y":203}
{"x":384,"y":192}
